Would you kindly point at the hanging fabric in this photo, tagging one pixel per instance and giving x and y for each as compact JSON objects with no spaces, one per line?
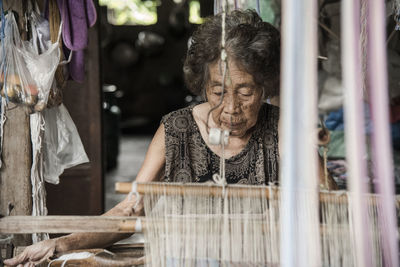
{"x":382,"y":149}
{"x":77,"y":18}
{"x":355,"y":138}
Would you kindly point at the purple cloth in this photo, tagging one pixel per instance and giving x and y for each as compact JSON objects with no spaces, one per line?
{"x":77,"y":66}
{"x":77,"y":17}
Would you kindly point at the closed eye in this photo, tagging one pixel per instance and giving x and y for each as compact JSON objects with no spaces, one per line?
{"x":246,"y":92}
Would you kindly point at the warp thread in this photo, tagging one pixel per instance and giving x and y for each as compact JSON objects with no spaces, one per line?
{"x":195,"y":230}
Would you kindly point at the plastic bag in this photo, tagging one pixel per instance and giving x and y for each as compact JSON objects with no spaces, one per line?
{"x":26,"y":74}
{"x":17,"y":84}
{"x":62,"y":146}
{"x":41,"y":56}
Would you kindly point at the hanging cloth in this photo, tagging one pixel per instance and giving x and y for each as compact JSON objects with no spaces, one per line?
{"x":77,"y":17}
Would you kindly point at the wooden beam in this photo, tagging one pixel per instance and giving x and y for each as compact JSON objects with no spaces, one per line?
{"x":68,"y":224}
{"x":232,"y":190}
{"x":116,"y":224}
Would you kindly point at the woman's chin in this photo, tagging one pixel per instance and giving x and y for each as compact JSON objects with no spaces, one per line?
{"x":237,"y":132}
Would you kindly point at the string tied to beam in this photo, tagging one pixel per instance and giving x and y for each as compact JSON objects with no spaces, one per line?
{"x":136,"y":193}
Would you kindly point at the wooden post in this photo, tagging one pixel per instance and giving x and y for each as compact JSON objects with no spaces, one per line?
{"x":15,"y":185}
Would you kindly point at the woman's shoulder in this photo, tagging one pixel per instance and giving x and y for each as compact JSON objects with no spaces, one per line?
{"x":181,"y":120}
{"x":179,"y":113}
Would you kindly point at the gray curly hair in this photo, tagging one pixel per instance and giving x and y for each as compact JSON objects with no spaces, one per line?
{"x":252,"y":43}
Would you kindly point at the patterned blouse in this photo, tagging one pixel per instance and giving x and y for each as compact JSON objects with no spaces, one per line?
{"x":189,"y":159}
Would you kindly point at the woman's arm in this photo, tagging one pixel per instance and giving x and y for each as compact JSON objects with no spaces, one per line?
{"x":152,"y":169}
{"x":153,"y":166}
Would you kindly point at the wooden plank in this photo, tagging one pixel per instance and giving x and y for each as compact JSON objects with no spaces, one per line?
{"x":15,"y":185}
{"x":120,"y":224}
{"x":231,"y":190}
{"x":68,"y":224}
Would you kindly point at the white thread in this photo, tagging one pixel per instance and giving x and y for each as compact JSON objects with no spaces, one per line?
{"x":223,"y":29}
{"x":220,"y":178}
{"x":3,"y":119}
{"x":222,"y":137}
{"x":137,"y":195}
{"x":138,"y":226}
{"x":72,"y":256}
{"x":224,"y":56}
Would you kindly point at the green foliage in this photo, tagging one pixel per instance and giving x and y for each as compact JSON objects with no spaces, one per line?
{"x":194,"y":12}
{"x":131,"y":12}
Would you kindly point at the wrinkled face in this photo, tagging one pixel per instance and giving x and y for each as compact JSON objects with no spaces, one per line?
{"x":242,"y":99}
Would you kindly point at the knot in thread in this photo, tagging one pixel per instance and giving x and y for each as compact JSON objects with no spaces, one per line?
{"x":221,"y":181}
{"x":137,"y":195}
{"x":223,"y":54}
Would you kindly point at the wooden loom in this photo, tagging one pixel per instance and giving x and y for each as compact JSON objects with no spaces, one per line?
{"x":122,"y":224}
{"x":71,"y":224}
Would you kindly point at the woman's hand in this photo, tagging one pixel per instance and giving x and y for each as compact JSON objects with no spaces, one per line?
{"x":34,"y":254}
{"x":128,"y":207}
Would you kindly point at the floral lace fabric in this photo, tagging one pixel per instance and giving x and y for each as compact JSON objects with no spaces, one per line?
{"x":189,"y":159}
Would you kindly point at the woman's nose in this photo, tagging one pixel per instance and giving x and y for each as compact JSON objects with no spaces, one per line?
{"x":231,"y":104}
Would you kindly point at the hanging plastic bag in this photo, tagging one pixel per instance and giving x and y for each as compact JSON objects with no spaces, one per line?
{"x":41,"y":56}
{"x":62,"y":146}
{"x":26,"y":74}
{"x":17,"y":84}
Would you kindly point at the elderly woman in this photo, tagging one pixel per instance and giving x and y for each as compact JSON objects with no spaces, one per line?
{"x":180,"y":150}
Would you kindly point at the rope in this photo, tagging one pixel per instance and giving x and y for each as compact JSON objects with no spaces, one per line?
{"x":220,"y":178}
{"x":224,"y":57}
{"x":3,"y":119}
{"x":325,"y":148}
{"x":3,"y":60}
{"x":55,"y":96}
{"x":363,"y":45}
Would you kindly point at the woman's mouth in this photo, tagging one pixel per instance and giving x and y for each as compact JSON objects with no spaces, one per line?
{"x":232,"y":125}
